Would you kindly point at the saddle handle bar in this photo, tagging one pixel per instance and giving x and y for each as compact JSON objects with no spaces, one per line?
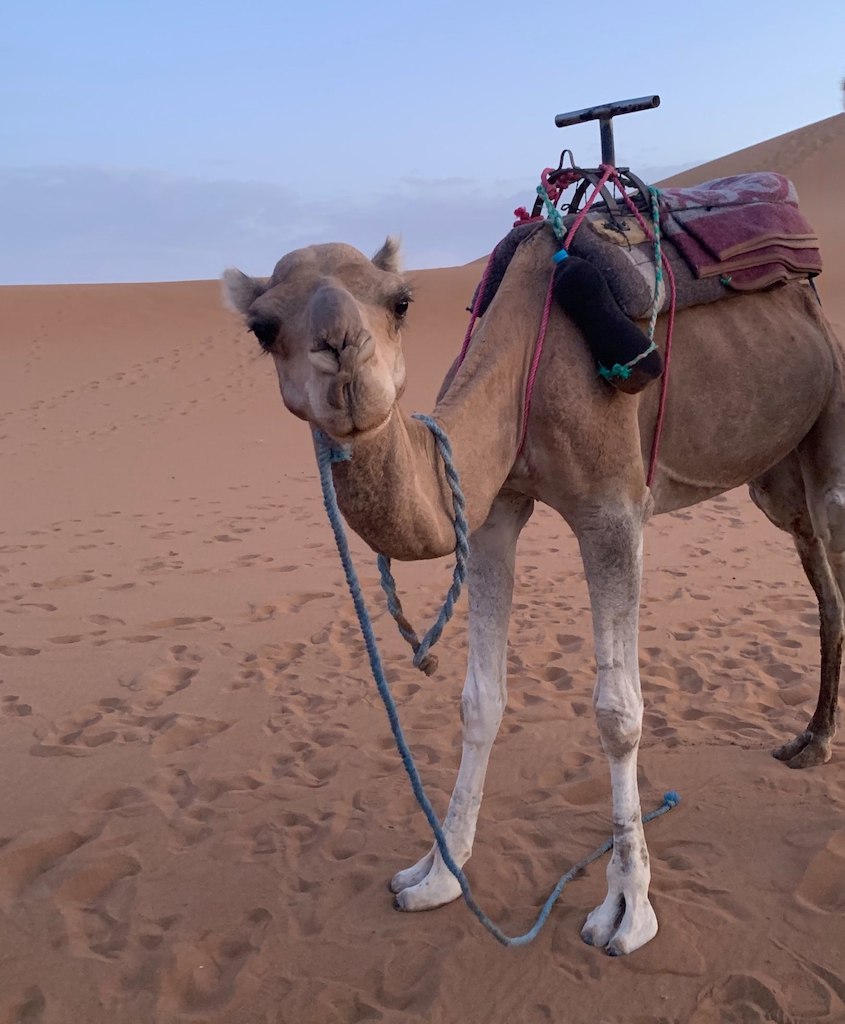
{"x":603,"y":114}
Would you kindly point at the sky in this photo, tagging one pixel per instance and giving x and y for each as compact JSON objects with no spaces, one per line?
{"x":167,"y":140}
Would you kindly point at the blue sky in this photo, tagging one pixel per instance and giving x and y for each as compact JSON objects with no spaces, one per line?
{"x":166,"y":140}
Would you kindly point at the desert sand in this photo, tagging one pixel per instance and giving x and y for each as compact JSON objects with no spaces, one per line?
{"x":201,"y":803}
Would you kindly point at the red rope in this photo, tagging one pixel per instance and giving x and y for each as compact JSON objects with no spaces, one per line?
{"x":608,"y":170}
{"x":535,"y":363}
{"x":479,"y":296}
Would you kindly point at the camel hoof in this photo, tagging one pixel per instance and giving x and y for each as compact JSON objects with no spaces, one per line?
{"x":618,"y":927}
{"x":789,"y":750}
{"x":805,"y":751}
{"x":413,"y":875}
{"x":602,"y":922}
{"x":635,"y":930}
{"x":818,"y":751}
{"x":436,"y":890}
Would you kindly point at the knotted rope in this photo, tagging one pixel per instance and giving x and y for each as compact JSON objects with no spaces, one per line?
{"x":327,"y":454}
{"x":424,"y":660}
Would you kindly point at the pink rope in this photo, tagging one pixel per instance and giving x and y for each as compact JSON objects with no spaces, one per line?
{"x":607,"y":171}
{"x":535,"y":363}
{"x":479,"y":296}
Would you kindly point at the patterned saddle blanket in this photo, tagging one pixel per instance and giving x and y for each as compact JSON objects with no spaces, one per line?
{"x":742,"y":233}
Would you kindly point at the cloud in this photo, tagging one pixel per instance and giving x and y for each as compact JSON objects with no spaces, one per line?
{"x":88,"y":224}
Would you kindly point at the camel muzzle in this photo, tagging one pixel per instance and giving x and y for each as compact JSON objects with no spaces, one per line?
{"x":344,"y":359}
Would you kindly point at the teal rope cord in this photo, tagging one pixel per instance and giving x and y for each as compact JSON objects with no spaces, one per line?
{"x":422,"y":658}
{"x":654,"y":194}
{"x":623,"y":372}
{"x":552,"y":213}
{"x":328,"y":453}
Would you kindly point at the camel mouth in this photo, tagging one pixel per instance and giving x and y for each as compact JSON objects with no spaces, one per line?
{"x":355,"y":433}
{"x":356,"y":409}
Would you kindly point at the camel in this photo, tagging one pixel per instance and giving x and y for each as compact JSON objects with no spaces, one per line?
{"x":757,"y":396}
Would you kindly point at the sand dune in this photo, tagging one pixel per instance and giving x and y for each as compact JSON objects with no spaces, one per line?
{"x":202,"y":805}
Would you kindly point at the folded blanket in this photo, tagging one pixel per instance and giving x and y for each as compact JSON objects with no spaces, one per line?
{"x":748,"y":223}
{"x":734,"y":190}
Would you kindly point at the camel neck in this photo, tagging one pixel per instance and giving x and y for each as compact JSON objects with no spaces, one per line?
{"x":393,"y":492}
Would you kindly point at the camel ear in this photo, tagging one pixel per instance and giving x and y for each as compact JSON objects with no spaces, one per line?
{"x":240,"y":290}
{"x":387,"y":258}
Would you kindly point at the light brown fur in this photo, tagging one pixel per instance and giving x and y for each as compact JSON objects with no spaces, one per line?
{"x":756,"y":394}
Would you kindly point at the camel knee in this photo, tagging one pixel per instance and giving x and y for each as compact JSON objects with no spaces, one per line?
{"x":620,"y":724}
{"x":833,"y":505}
{"x":482,"y":709}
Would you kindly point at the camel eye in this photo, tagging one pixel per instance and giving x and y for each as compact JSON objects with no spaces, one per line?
{"x":400,"y":307}
{"x":266,"y":331}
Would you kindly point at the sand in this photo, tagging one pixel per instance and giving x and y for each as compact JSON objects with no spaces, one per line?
{"x":201,"y":804}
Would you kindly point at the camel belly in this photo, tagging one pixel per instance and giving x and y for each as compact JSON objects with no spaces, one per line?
{"x":748,"y":378}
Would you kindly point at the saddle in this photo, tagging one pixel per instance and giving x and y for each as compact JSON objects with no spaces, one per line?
{"x":730,"y":235}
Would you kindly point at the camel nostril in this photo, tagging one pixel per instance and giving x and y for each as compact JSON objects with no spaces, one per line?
{"x":324,"y":344}
{"x":366,"y":349}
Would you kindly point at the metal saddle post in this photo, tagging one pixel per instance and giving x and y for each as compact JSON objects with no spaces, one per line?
{"x":589,"y":176}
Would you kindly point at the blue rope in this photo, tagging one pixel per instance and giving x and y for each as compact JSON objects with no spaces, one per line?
{"x":422,"y":658}
{"x":328,"y":453}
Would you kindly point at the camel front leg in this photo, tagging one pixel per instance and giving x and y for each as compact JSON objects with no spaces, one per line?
{"x":429,"y":883}
{"x":611,"y":548}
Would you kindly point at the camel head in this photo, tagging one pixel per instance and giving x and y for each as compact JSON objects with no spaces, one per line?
{"x":331,"y":319}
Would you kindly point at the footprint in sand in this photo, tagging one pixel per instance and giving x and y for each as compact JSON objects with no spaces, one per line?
{"x":19,"y":652}
{"x":158,"y":684}
{"x":205,"y":975}
{"x":741,"y":999}
{"x":96,"y":903}
{"x":69,"y":581}
{"x":26,"y":1008}
{"x":179,"y":732}
{"x":179,"y":620}
{"x":11,"y":706}
{"x":172,"y":789}
{"x":570,"y":643}
{"x":127,"y":799}
{"x":110,"y":720}
{"x":271,"y":661}
{"x":76,"y":733}
{"x":284,"y":606}
{"x":21,"y":863}
{"x":823,"y":884}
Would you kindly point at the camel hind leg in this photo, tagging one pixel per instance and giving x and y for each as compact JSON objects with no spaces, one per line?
{"x":782,"y":496}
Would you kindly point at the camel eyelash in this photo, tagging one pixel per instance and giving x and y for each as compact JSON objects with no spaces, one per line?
{"x":266,"y":332}
{"x":401,"y":303}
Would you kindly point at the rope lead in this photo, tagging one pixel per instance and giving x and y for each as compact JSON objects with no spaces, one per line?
{"x":327,"y":454}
